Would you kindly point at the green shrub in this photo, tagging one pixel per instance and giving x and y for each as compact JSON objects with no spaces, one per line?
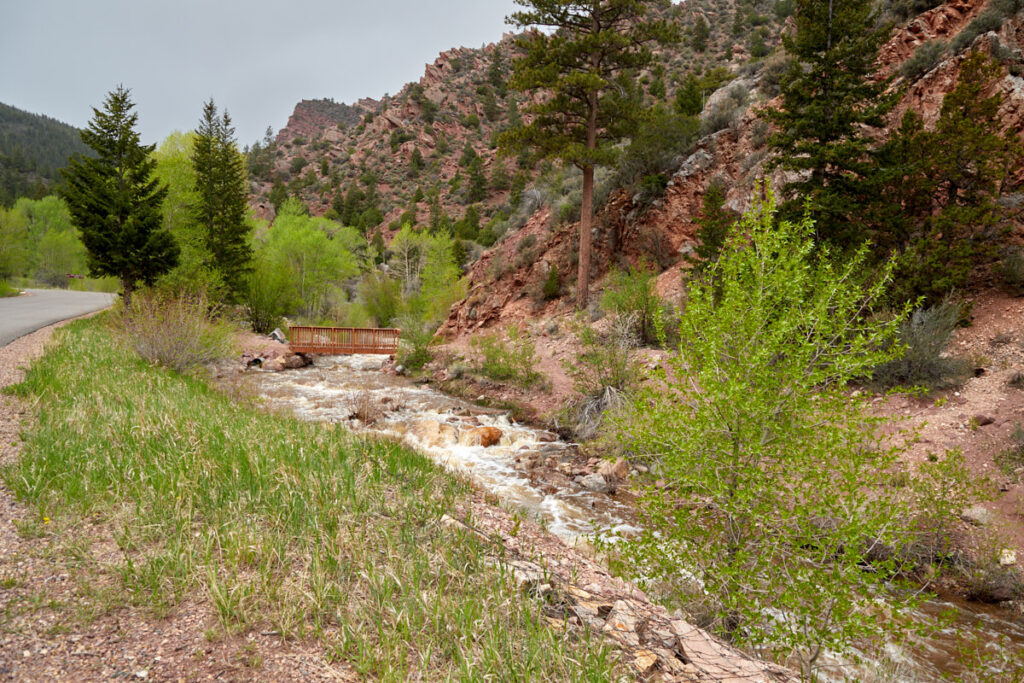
{"x":630,"y":295}
{"x":552,"y":286}
{"x":924,"y":336}
{"x":414,"y":347}
{"x":508,"y":361}
{"x":924,"y":59}
{"x":603,"y":375}
{"x":6,"y":290}
{"x":180,"y":331}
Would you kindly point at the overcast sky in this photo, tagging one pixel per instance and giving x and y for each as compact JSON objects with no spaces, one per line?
{"x":256,"y":58}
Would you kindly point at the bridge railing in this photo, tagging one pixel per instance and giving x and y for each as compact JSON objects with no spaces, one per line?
{"x":334,"y":341}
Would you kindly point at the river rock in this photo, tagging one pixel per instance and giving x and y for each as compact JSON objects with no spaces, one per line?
{"x":480,"y":436}
{"x":288,"y":361}
{"x":434,"y":434}
{"x":614,"y":469}
{"x":594,"y":482}
{"x":977,"y":515}
{"x":278,"y":336}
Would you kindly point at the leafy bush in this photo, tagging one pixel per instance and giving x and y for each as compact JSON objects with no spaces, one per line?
{"x":603,"y":375}
{"x":741,"y":421}
{"x":989,"y":20}
{"x":6,"y":290}
{"x":511,"y":361}
{"x":552,"y":285}
{"x":924,"y":336}
{"x":630,"y":294}
{"x":180,"y":331}
{"x":923,"y":60}
{"x":414,"y":346}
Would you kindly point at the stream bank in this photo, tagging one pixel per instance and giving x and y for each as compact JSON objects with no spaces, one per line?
{"x":530,"y":469}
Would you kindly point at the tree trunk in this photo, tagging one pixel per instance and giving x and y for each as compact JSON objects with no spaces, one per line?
{"x":586,"y":227}
{"x":587,"y":212}
{"x":126,"y":293}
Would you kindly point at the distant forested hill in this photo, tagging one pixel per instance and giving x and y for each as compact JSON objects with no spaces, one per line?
{"x":33,"y":149}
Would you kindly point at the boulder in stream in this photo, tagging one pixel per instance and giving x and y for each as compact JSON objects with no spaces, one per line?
{"x":594,"y":482}
{"x":480,"y":436}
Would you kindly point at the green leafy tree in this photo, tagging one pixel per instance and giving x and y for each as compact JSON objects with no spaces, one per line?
{"x":585,"y":66}
{"x":174,"y":169}
{"x":778,"y":503}
{"x":223,"y":199}
{"x":829,"y":101}
{"x":115,"y":201}
{"x":317,"y":265}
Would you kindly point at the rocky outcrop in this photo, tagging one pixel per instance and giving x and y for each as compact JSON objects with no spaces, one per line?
{"x":940,"y":23}
{"x":313,"y":118}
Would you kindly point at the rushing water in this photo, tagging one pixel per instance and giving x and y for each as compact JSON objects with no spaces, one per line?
{"x":338,"y":389}
{"x":448,"y":430}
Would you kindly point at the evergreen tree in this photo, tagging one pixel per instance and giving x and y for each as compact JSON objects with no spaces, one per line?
{"x":701,"y":33}
{"x":828,"y":98}
{"x":584,"y":66}
{"x":221,"y":190}
{"x":714,"y":224}
{"x":689,"y":96}
{"x":116,"y":203}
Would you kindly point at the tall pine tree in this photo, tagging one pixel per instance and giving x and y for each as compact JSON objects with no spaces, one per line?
{"x":828,"y":99}
{"x":221,"y":210}
{"x":115,"y":201}
{"x":591,"y":102}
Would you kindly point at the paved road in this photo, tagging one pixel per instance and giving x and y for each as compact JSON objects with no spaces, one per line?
{"x":20,"y":315}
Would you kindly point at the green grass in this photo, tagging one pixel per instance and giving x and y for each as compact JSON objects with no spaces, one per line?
{"x":7,"y":290}
{"x":301,"y":528}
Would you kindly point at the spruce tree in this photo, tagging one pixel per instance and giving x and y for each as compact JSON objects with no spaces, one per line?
{"x":116,"y":203}
{"x":223,"y":200}
{"x":584,"y":67}
{"x":828,"y":99}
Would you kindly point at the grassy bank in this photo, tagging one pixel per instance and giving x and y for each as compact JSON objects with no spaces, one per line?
{"x":7,"y":290}
{"x":276,"y":524}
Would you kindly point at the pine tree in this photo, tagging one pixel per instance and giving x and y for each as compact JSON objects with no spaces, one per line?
{"x":221,"y":211}
{"x":116,"y":203}
{"x":828,"y":98}
{"x":584,"y":66}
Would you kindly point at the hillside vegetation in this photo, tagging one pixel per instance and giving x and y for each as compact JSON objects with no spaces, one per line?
{"x":33,"y":149}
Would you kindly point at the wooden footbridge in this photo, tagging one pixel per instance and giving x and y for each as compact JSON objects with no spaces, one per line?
{"x":339,"y":341}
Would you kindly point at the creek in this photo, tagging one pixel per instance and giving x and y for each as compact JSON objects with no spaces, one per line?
{"x":539,"y":473}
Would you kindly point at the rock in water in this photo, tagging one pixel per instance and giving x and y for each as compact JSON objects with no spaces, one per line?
{"x":593,"y":482}
{"x":480,"y":436}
